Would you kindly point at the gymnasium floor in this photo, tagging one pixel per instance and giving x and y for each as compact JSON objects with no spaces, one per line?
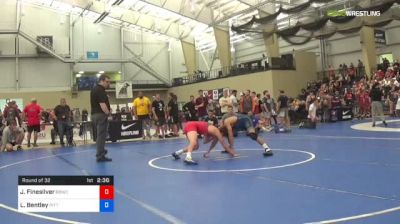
{"x":333,"y":173}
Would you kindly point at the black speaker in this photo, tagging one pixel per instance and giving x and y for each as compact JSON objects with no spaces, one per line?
{"x":289,"y":60}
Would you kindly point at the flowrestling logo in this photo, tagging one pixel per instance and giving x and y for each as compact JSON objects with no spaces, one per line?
{"x":356,"y":13}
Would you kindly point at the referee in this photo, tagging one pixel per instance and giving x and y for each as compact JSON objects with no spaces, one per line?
{"x":100,"y":112}
{"x":376,"y":106}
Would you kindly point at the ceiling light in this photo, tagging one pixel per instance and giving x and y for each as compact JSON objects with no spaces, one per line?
{"x":78,"y":75}
{"x":101,"y":72}
{"x":81,"y":72}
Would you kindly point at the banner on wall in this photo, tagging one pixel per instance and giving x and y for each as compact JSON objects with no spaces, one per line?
{"x":214,"y":94}
{"x":380,"y":37}
{"x":123,"y":90}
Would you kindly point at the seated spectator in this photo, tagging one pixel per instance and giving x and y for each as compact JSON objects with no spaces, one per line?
{"x":211,"y":119}
{"x":12,"y":136}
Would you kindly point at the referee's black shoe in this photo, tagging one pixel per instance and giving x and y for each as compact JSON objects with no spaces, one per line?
{"x":104,"y":159}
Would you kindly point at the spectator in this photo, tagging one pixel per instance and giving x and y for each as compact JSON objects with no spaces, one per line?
{"x":32,"y":113}
{"x":326,"y":100}
{"x":312,"y":116}
{"x":264,"y":62}
{"x":303,"y":95}
{"x":341,"y":70}
{"x":345,"y":68}
{"x":63,"y":116}
{"x":100,"y":111}
{"x":283,"y":111}
{"x":211,"y":105}
{"x":12,"y":136}
{"x":12,"y":113}
{"x":364,"y":103}
{"x":331,"y":73}
{"x":85,"y":115}
{"x":201,"y":105}
{"x":234,"y":101}
{"x":349,"y":98}
{"x":360,"y":68}
{"x":398,"y":103}
{"x":158,"y":108}
{"x":225,"y":101}
{"x":255,"y":103}
{"x":377,"y":107}
{"x":211,"y":118}
{"x":54,"y":130}
{"x":173,"y":114}
{"x":142,"y":111}
{"x":190,"y":110}
{"x":269,"y":108}
{"x":246,"y":103}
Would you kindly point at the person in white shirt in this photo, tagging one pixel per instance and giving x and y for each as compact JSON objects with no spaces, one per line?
{"x":224,"y":102}
{"x":398,"y":104}
{"x":234,"y":101}
{"x":312,"y":116}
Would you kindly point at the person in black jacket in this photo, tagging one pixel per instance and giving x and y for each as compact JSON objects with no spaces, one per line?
{"x":63,"y":116}
{"x":190,"y":110}
{"x":376,"y":106}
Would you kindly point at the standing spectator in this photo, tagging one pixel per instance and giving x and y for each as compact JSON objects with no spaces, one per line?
{"x":246,"y":103}
{"x":349,"y":98}
{"x":54,"y":130}
{"x":345,"y":69}
{"x":341,"y":70}
{"x":312,"y":116}
{"x":32,"y":113}
{"x":225,"y":101}
{"x":351,"y":72}
{"x":360,"y":68}
{"x":142,"y":111}
{"x":398,"y":104}
{"x":364,"y":103}
{"x":190,"y":110}
{"x":211,"y":105}
{"x":63,"y":116}
{"x":234,"y":101}
{"x":173,"y":114}
{"x":269,"y":108}
{"x":282,"y":108}
{"x":264,"y":62}
{"x":331,"y":73}
{"x":100,"y":111}
{"x":377,"y":107}
{"x":12,"y":113}
{"x":158,"y":108}
{"x":201,"y":105}
{"x":256,"y":103}
{"x":12,"y":136}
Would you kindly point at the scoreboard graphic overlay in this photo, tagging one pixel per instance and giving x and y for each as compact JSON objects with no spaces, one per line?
{"x":66,"y":193}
